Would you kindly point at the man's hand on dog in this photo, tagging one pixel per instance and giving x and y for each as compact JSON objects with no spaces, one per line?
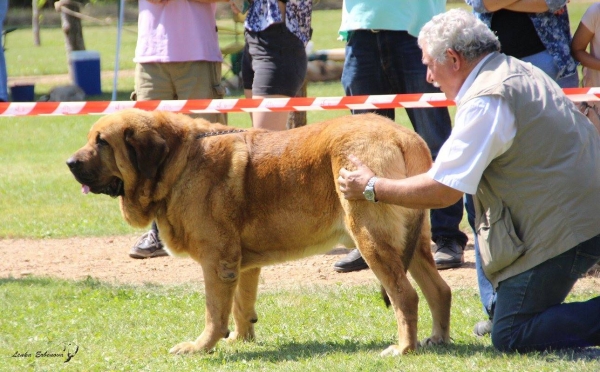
{"x":353,"y":183}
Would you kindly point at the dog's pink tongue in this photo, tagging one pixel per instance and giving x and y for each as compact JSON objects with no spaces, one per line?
{"x":85,"y":189}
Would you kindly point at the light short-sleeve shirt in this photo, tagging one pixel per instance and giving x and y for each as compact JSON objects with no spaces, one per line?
{"x":177,"y":31}
{"x":484,"y":128}
{"x":393,"y":15}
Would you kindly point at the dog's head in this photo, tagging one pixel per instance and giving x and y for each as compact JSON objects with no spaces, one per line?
{"x":122,"y":148}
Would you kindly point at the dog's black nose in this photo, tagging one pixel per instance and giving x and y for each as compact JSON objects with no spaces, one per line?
{"x":72,"y":163}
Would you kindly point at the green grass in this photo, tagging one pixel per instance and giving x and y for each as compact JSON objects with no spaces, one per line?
{"x":120,"y":328}
{"x":38,"y":196}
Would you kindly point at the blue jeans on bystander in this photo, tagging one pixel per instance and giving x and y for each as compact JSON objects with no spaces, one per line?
{"x":3,"y":73}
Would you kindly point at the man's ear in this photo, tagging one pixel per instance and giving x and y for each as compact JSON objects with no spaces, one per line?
{"x":147,"y":150}
{"x":455,"y":58}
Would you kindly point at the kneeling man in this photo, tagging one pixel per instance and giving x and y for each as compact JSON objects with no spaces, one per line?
{"x":531,"y":161}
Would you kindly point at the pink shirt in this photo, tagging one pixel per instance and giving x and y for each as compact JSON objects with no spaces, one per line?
{"x":177,"y":31}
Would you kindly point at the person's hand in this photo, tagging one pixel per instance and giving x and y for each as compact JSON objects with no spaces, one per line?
{"x":234,"y":8}
{"x":353,"y":183}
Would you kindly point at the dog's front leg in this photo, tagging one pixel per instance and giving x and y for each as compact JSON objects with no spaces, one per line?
{"x":220,"y":281}
{"x":244,"y":313}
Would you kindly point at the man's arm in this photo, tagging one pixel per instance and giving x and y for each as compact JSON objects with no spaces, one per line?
{"x":494,"y":5}
{"x":419,"y":192}
{"x":210,"y":1}
{"x":527,"y":6}
{"x":581,"y":39}
{"x":197,"y":1}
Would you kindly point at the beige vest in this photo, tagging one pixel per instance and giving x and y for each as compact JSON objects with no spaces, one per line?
{"x":542,"y":196}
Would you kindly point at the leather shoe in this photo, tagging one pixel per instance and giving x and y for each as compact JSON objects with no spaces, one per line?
{"x":483,"y":328}
{"x":448,"y":254}
{"x":352,"y":262}
{"x":148,"y":246}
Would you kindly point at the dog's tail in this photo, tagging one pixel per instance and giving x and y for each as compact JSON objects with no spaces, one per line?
{"x":386,"y":298}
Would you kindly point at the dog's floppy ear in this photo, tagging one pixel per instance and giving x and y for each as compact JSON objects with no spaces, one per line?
{"x":147,"y":150}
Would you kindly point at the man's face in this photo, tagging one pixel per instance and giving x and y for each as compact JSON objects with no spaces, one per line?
{"x":443,"y":75}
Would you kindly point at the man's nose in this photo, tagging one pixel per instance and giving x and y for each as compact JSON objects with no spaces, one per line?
{"x":429,"y":77}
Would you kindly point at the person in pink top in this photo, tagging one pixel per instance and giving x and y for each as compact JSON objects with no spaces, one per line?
{"x":588,"y":34}
{"x":177,"y":56}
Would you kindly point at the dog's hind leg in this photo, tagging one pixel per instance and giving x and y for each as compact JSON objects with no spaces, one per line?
{"x":436,"y":291}
{"x":244,"y":313}
{"x":385,"y":262}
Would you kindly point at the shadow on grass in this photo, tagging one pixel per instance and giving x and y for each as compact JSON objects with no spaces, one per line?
{"x":37,"y":281}
{"x":469,"y":350}
{"x":297,"y":351}
{"x":88,"y":282}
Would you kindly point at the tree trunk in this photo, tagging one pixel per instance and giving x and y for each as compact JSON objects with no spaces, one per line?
{"x":71,"y":26}
{"x":35,"y":22}
{"x":298,"y":118}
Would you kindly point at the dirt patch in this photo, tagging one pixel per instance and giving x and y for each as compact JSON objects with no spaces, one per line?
{"x":106,"y":259}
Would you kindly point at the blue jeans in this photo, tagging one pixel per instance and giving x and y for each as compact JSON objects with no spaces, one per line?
{"x":545,"y":62}
{"x":530,"y":313}
{"x":3,"y":74}
{"x":389,"y":62}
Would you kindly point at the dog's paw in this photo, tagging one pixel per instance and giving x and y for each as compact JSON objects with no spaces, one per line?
{"x":247,"y":336}
{"x":431,"y":341}
{"x":186,"y":348}
{"x":396,"y":350}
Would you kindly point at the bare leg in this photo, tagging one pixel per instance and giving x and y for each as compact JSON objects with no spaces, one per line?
{"x":270,"y":120}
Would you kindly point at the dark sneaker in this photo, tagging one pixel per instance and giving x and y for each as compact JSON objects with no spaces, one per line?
{"x":352,"y":262}
{"x":448,"y":254}
{"x":594,"y":271}
{"x":148,"y":246}
{"x":483,"y":328}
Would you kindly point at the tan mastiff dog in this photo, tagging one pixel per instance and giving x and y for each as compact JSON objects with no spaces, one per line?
{"x":236,"y":200}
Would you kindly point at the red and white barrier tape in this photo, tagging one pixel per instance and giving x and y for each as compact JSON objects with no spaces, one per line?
{"x":202,"y":106}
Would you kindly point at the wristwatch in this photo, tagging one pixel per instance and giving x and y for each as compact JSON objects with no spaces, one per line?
{"x":369,"y":192}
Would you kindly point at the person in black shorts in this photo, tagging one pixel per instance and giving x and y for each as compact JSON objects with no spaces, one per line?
{"x":274,"y":62}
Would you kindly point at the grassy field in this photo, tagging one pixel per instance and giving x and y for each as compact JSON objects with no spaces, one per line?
{"x":306,"y":329}
{"x":123,"y":328}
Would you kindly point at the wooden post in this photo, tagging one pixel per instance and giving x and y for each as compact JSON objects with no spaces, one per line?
{"x":298,"y":118}
{"x":35,"y":22}
{"x":71,"y":26}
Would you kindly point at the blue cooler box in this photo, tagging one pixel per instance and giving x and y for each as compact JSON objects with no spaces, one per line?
{"x":85,"y":65}
{"x":22,"y":93}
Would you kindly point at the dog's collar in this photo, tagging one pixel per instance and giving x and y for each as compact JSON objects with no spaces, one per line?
{"x":218,"y":133}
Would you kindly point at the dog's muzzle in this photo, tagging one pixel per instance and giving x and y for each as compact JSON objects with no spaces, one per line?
{"x":113,"y":188}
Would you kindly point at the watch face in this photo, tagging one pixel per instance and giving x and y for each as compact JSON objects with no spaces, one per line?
{"x":369,"y":195}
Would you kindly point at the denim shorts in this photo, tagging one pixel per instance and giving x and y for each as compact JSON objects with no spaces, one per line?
{"x":274,"y":62}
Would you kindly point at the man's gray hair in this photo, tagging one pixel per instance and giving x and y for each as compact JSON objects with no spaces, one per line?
{"x":460,"y":31}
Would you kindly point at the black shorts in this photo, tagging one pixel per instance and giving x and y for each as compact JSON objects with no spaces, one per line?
{"x":274,"y":62}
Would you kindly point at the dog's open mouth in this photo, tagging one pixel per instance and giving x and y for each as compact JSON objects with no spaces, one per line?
{"x":113,"y":189}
